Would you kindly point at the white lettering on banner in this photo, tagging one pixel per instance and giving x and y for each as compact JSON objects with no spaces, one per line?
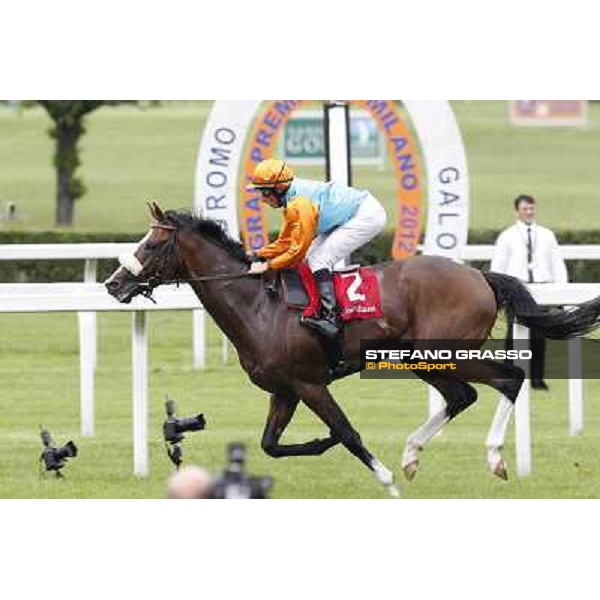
{"x":220,"y":157}
{"x":449,"y":175}
{"x":224,"y":135}
{"x":447,"y":225}
{"x":216,"y":179}
{"x":218,"y":161}
{"x":447,"y":240}
{"x":352,"y":291}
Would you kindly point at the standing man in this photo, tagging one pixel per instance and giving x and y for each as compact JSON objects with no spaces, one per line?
{"x":530,"y":253}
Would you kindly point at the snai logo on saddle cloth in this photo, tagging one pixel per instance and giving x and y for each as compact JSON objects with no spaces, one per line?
{"x":357,"y":292}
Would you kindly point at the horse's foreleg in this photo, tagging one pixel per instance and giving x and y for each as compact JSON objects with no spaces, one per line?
{"x":321,"y":402}
{"x":280,"y":414}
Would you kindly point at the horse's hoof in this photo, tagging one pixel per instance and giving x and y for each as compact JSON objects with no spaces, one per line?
{"x":410,"y":470}
{"x":500,"y":471}
{"x":393,"y":490}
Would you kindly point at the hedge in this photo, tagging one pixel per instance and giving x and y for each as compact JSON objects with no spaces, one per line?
{"x":376,"y":251}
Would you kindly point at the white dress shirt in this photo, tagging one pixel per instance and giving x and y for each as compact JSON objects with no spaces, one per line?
{"x":510,"y":255}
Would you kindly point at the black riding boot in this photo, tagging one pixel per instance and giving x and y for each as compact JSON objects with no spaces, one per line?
{"x":327,"y":322}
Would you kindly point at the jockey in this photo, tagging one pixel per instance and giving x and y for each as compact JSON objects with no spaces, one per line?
{"x":324,"y":222}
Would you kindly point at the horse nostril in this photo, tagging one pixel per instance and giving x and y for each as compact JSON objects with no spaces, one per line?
{"x":112,"y":285}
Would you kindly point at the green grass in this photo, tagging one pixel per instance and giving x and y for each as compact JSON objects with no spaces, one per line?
{"x":130,"y":155}
{"x":39,"y":385}
{"x":557,"y":165}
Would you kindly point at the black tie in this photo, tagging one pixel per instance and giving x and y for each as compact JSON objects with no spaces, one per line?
{"x":529,"y":255}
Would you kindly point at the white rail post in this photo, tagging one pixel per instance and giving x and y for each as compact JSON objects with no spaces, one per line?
{"x":338,"y":165}
{"x":139,"y":355}
{"x":87,"y":357}
{"x":337,"y":142}
{"x":90,"y":275}
{"x":522,"y":418}
{"x":87,"y":333}
{"x":199,"y":338}
{"x":575,"y":387}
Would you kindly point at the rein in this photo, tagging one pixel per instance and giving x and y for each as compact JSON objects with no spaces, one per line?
{"x":215,"y":277}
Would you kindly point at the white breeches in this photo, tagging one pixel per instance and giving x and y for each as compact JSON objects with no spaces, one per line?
{"x":327,"y":249}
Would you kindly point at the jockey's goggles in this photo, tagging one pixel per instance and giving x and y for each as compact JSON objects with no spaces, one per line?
{"x":272,"y":193}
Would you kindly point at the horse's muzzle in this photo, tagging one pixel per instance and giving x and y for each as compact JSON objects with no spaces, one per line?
{"x":123,"y":294}
{"x":123,"y":287}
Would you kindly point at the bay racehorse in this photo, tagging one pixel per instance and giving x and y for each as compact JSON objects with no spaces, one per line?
{"x":423,"y":298}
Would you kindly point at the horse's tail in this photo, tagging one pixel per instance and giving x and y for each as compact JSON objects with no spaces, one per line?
{"x":556,"y":324}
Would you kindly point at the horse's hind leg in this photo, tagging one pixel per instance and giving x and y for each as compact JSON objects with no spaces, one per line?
{"x":321,"y":402}
{"x":458,"y":396}
{"x":507,"y":379}
{"x":281,"y":411}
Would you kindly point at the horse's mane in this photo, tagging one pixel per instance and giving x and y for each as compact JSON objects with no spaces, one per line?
{"x":185,"y":219}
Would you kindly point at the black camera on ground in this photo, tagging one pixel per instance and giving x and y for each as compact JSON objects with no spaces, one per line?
{"x":174,"y":428}
{"x":235,"y":483}
{"x":55,"y":458}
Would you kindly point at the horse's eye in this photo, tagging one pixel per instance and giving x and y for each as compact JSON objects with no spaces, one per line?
{"x":151,"y":245}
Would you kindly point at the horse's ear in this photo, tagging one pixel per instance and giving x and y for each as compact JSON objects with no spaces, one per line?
{"x":156,"y":212}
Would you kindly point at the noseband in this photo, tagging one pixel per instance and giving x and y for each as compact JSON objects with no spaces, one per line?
{"x":131,"y":263}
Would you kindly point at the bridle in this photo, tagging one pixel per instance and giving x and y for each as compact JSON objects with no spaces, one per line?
{"x":155,"y":279}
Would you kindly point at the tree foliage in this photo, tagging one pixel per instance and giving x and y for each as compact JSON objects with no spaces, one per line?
{"x":68,"y":118}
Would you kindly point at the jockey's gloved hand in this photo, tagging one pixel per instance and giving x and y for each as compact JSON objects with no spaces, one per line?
{"x":256,"y":268}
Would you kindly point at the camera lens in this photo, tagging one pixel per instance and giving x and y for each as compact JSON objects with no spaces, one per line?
{"x":191,"y":423}
{"x":71,"y":449}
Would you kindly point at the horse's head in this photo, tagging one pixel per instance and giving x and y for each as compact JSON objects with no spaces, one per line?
{"x":155,"y":260}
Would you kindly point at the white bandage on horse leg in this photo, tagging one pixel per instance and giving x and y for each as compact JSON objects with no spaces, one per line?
{"x":423,"y":434}
{"x":385,"y":477}
{"x":497,"y":433}
{"x":417,"y":439}
{"x":131,"y":263}
{"x":382,"y":473}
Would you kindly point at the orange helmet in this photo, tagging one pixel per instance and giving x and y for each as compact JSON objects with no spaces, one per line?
{"x":272,"y":173}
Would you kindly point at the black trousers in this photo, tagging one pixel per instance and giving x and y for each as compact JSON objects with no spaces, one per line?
{"x":537,"y":344}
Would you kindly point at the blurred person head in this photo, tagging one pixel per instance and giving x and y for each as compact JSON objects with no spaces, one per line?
{"x":525,"y":208}
{"x":190,"y":483}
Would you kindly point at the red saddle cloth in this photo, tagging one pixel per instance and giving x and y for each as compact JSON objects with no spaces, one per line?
{"x":357,"y":293}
